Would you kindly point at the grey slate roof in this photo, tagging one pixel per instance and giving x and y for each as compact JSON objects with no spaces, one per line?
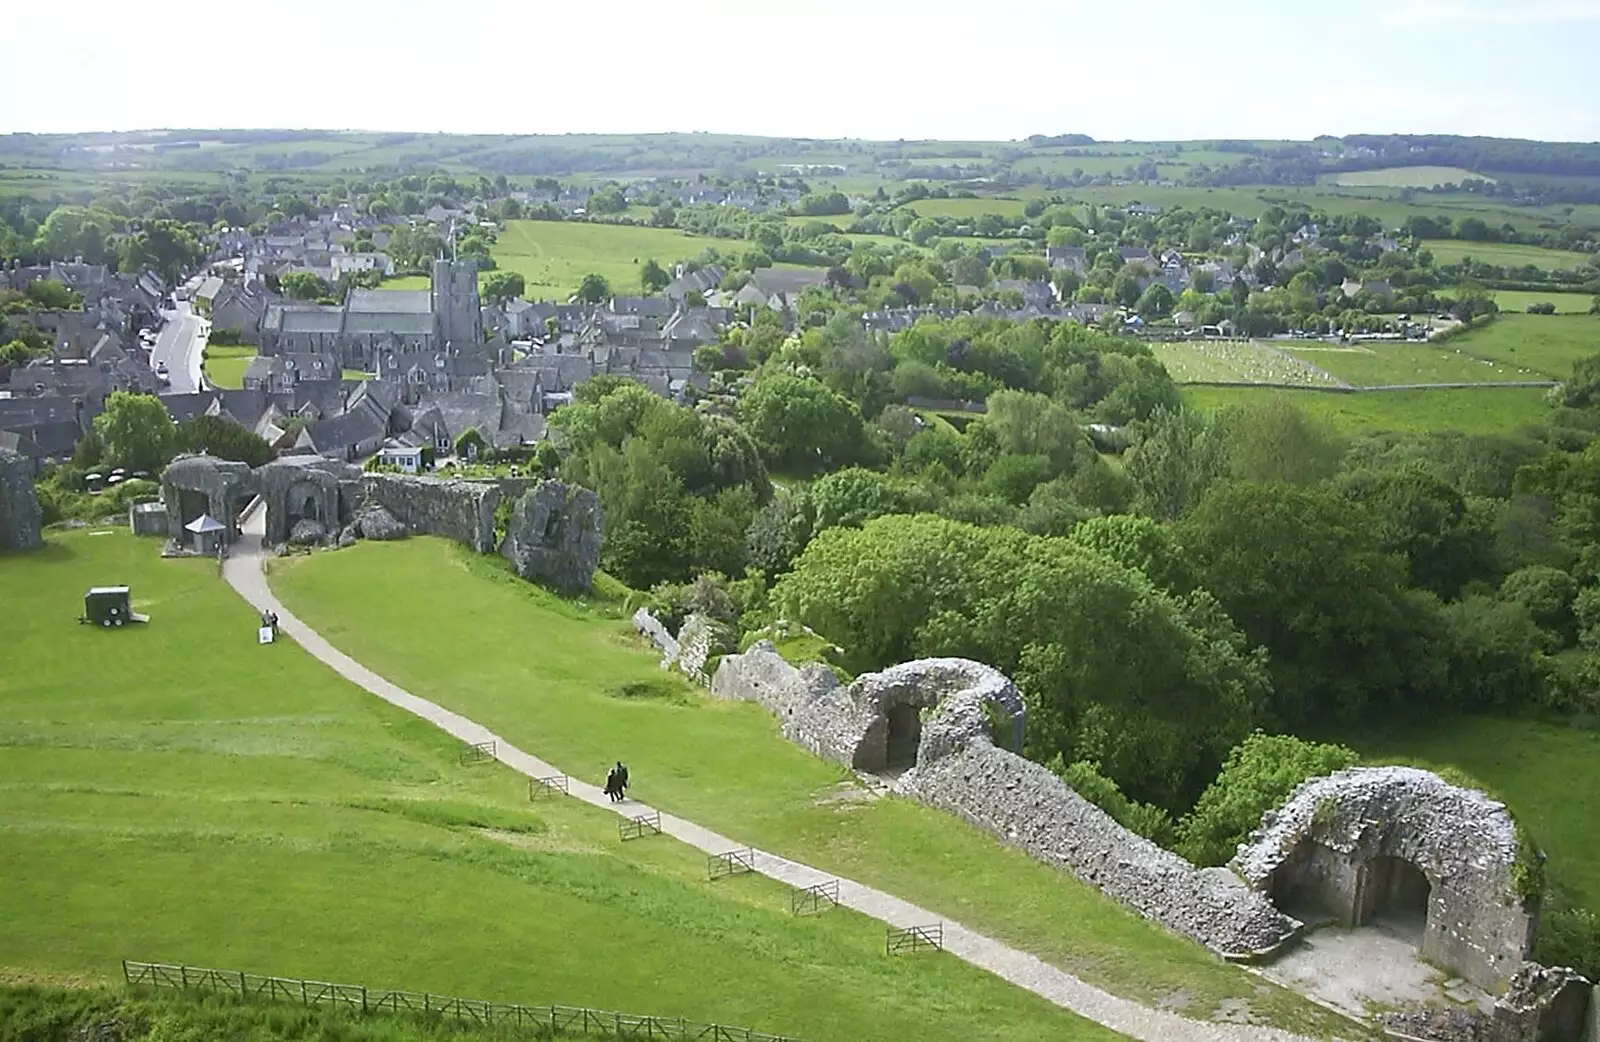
{"x":392,"y":301}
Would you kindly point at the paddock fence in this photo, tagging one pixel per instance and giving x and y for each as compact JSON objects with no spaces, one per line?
{"x":901,"y":940}
{"x":550,"y":1020}
{"x":818,"y":897}
{"x":550,"y":785}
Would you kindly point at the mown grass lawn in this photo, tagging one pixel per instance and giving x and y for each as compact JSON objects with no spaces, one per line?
{"x":561,"y":680}
{"x":225,"y":366}
{"x":554,"y":256}
{"x":1535,"y":346}
{"x":1487,"y":410}
{"x":177,"y":793}
{"x":1548,"y":774}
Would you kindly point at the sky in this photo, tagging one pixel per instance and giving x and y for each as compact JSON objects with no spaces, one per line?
{"x":948,"y":69}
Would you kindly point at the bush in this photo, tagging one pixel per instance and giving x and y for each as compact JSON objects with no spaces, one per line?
{"x":1569,"y":936}
{"x":1259,"y":774}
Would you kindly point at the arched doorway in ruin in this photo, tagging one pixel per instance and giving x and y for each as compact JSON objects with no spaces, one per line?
{"x":1394,"y":892}
{"x":902,"y":736}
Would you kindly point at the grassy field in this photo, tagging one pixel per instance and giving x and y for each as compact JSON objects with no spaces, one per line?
{"x":966,"y":208}
{"x":225,"y":366}
{"x":1505,"y":254}
{"x":1380,"y":364}
{"x":1228,"y":361}
{"x":1535,"y":346}
{"x":554,"y":256}
{"x":175,"y":792}
{"x":1488,"y":410}
{"x":1549,"y":775}
{"x":571,"y":695}
{"x":1516,"y":301}
{"x":1407,"y":177}
{"x":407,"y":282}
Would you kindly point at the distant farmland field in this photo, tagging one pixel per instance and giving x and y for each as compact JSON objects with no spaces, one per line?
{"x":966,"y":207}
{"x":1506,"y":254}
{"x":554,"y":256}
{"x":1407,"y":177}
{"x":1534,"y":346}
{"x":1485,"y":410}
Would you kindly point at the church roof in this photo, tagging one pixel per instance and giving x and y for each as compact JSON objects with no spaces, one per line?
{"x":392,"y":301}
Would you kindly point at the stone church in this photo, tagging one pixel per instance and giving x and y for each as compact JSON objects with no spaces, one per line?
{"x":444,"y":319}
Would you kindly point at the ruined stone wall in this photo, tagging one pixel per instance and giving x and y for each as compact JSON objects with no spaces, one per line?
{"x":655,"y":631}
{"x":459,"y":510}
{"x":1023,"y":804}
{"x":20,"y":515}
{"x":1324,"y":843}
{"x":554,"y":534}
{"x":960,"y":770}
{"x":196,"y":484}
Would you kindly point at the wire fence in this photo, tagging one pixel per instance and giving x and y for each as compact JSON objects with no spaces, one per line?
{"x":552,"y":1020}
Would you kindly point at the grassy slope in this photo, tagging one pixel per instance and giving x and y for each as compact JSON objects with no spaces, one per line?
{"x":1492,"y":410}
{"x":554,"y":256}
{"x":1536,"y":345}
{"x":225,"y":366}
{"x":1510,"y":255}
{"x":546,"y":674}
{"x":1548,"y":775}
{"x":177,"y":793}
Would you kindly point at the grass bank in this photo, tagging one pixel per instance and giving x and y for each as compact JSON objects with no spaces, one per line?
{"x":177,"y":793}
{"x":560,"y":680}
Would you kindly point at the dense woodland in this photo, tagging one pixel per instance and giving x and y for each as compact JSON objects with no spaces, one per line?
{"x":1161,"y":584}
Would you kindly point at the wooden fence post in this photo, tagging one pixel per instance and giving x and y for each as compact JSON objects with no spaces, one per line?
{"x":363,"y":998}
{"x":183,"y":975}
{"x":243,"y":989}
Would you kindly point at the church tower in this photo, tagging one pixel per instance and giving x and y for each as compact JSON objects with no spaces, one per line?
{"x":456,"y":312}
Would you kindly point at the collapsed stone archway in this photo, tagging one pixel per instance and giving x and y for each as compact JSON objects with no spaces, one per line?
{"x":1403,"y":848}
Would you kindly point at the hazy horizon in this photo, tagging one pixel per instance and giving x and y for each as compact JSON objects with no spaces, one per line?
{"x":863,"y":70}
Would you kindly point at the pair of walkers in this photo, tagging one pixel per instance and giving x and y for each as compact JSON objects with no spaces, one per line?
{"x":617,"y":783}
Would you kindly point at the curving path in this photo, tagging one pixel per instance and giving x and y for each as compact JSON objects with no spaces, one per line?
{"x":243,"y":571}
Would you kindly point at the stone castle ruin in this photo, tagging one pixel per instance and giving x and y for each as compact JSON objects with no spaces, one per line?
{"x":551,"y":532}
{"x":20,"y":515}
{"x":950,"y":730}
{"x":1402,"y":845}
{"x":1391,"y":842}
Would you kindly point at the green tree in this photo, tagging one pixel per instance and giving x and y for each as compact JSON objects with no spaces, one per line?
{"x":653,"y":278}
{"x":502,"y":286}
{"x":137,"y":431}
{"x":1301,"y":572}
{"x":166,"y":247}
{"x":594,"y":289}
{"x":1155,"y":302}
{"x":304,"y":285}
{"x":802,"y":425}
{"x":1178,"y":456}
{"x":1548,"y":594}
{"x":52,"y":295}
{"x":1258,"y":776}
{"x":1273,"y":441}
{"x":223,"y":438}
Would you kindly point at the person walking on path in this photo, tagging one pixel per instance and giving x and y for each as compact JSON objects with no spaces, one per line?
{"x":622,"y":781}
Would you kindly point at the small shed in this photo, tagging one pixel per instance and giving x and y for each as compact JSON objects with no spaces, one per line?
{"x":207,"y":532}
